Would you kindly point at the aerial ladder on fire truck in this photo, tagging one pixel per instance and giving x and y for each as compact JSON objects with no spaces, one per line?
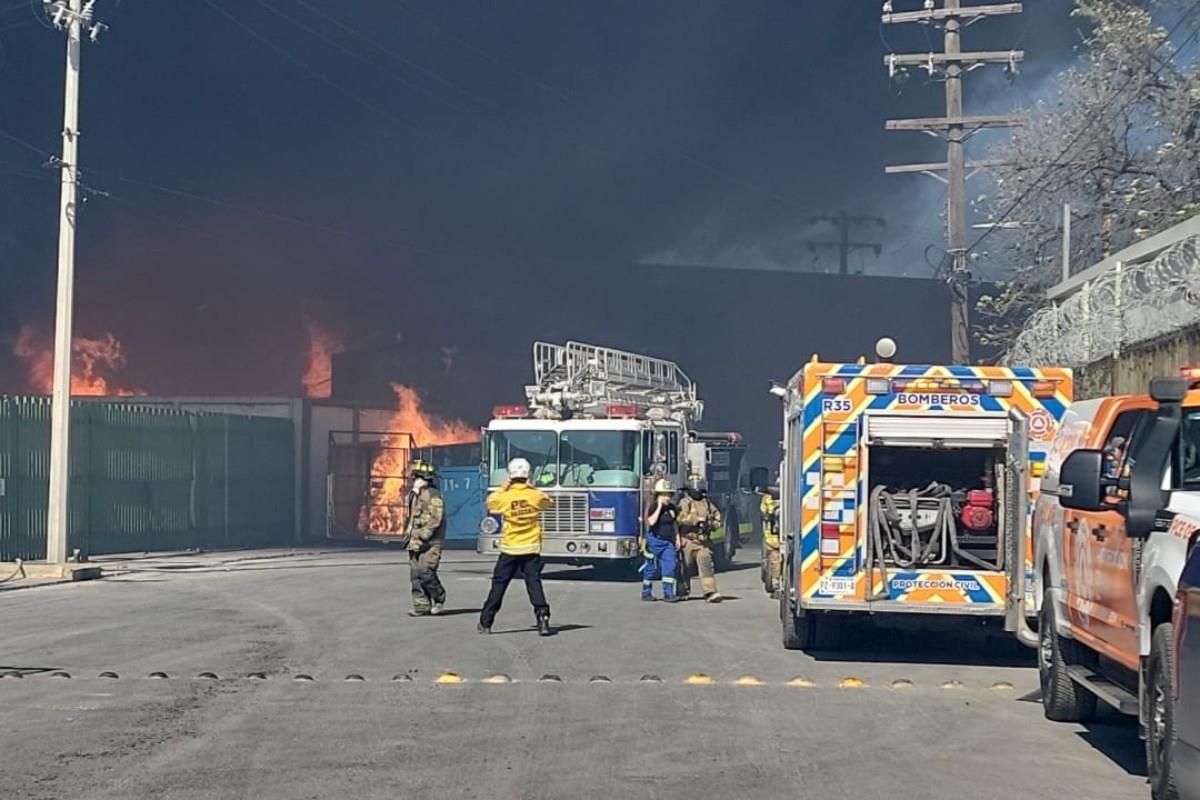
{"x":583,"y":380}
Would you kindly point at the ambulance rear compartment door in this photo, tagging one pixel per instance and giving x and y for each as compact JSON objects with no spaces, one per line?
{"x":936,"y":430}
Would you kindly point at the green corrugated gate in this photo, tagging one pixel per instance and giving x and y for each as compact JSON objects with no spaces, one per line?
{"x":147,"y":479}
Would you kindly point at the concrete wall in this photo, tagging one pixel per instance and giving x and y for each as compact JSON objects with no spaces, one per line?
{"x":1130,"y":371}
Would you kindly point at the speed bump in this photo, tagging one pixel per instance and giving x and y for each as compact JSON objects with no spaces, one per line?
{"x":698,"y":678}
{"x":801,"y":683}
{"x":748,"y":680}
{"x":851,"y":682}
{"x":499,"y":677}
{"x":448,"y":677}
{"x":902,"y":683}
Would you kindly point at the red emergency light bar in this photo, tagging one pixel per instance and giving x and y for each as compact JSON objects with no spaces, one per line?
{"x":510,"y":412}
{"x":1042,"y":389}
{"x":1192,"y":374}
{"x":623,"y":412}
{"x":833,"y":385}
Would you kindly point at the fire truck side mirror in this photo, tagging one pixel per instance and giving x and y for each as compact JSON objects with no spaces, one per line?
{"x":1081,"y":483}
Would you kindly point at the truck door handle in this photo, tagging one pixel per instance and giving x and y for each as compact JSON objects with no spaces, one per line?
{"x":1098,"y":533}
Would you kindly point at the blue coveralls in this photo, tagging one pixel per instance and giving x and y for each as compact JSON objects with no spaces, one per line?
{"x":660,"y":564}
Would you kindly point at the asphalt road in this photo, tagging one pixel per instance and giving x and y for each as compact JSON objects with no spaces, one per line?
{"x":603,"y":709}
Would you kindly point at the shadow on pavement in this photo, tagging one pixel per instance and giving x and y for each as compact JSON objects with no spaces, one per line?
{"x":455,"y":612}
{"x":860,"y":640}
{"x":555,"y":629}
{"x":1115,"y":736}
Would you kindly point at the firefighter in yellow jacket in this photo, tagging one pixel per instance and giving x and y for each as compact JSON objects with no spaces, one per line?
{"x":520,"y":507}
{"x":697,"y":517}
{"x":426,"y":531}
{"x":768,"y":508}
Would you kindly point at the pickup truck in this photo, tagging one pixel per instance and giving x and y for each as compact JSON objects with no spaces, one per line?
{"x":1119,"y":505}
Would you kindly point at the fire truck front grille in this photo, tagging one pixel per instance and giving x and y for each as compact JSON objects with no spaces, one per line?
{"x":567,"y":517}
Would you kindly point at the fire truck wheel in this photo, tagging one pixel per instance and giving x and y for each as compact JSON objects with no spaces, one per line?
{"x":1063,"y":700}
{"x":795,"y":629}
{"x":1161,"y":731}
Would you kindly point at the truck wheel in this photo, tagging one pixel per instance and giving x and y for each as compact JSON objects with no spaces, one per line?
{"x":723,"y":554}
{"x":1063,"y":700}
{"x":764,"y":573}
{"x":1161,"y":733}
{"x":796,"y":630}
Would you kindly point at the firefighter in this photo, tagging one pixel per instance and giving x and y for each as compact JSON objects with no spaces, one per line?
{"x":768,"y":507}
{"x":659,"y":544}
{"x":520,"y":506}
{"x":425,"y":528}
{"x":696,"y":518}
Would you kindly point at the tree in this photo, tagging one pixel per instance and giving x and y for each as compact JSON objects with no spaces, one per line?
{"x":1119,"y":139}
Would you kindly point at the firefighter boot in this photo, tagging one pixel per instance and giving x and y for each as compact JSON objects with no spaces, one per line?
{"x":543,"y":625}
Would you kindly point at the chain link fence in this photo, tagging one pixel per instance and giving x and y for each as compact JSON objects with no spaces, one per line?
{"x":1129,"y":304}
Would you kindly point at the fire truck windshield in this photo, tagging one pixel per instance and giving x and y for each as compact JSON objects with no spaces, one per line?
{"x":600,"y":458}
{"x":539,"y":448}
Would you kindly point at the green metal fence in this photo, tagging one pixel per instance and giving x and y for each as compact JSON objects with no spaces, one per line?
{"x":147,"y":478}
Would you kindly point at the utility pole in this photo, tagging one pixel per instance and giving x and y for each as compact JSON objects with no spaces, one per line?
{"x":71,"y":16}
{"x":843,"y":245}
{"x":952,"y":63}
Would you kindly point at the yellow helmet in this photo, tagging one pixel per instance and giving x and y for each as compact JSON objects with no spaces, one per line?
{"x":423,"y":469}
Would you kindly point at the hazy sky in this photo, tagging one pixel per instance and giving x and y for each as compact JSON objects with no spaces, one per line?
{"x":433,"y":150}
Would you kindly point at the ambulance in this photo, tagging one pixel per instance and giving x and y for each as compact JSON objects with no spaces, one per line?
{"x":906,"y":490}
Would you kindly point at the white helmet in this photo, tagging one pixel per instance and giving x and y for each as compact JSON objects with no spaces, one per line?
{"x":663,"y":486}
{"x":518,"y":469}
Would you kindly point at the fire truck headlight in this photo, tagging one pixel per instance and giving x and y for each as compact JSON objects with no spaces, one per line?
{"x":488,"y":526}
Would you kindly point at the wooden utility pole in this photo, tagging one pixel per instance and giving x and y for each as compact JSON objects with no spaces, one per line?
{"x":844,"y":245}
{"x":952,"y":64}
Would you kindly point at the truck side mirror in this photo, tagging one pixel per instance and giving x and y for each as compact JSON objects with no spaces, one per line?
{"x":759,"y":477}
{"x":1081,"y":483}
{"x":1169,"y":390}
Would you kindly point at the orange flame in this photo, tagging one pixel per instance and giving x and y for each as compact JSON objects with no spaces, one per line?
{"x":322,"y":346}
{"x":89,"y":356}
{"x":410,"y":426}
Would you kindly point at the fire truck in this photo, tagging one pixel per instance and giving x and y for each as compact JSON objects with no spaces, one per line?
{"x":598,"y":428}
{"x":906,"y":489}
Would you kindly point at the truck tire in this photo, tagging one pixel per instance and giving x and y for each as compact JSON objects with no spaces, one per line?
{"x":796,"y":630}
{"x":1161,"y":731}
{"x":725,"y":549}
{"x":1063,"y":700}
{"x":764,"y":574}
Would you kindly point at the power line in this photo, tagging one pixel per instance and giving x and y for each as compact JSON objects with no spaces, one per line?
{"x":1086,"y":126}
{"x":300,"y":63}
{"x":358,"y":56}
{"x":391,"y":52}
{"x":956,"y":127}
{"x":226,"y":204}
